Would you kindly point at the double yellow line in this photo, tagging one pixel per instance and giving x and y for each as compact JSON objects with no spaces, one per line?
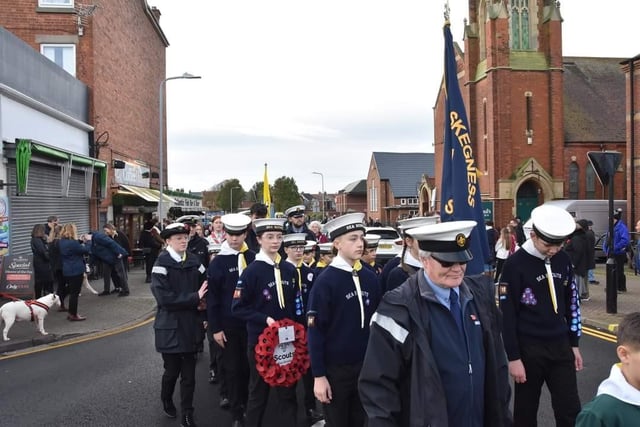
{"x":602,"y":334}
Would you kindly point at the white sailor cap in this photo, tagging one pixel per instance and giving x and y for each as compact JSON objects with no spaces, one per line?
{"x":172,"y":229}
{"x":268,"y":224}
{"x":294,"y":239}
{"x":372,"y":240}
{"x":235,"y":223}
{"x":310,"y":245}
{"x":325,"y":248}
{"x":552,"y":224}
{"x":447,"y":241}
{"x":344,"y":224}
{"x":214,"y":248}
{"x":297,"y":210}
{"x":417,"y":221}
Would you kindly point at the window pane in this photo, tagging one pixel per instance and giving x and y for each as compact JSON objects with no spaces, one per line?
{"x":573,"y":181}
{"x":63,"y":55}
{"x":55,"y":3}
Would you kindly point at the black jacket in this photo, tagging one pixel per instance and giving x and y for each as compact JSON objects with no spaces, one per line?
{"x":400,"y":383}
{"x":578,"y":249}
{"x":178,"y":323}
{"x":41,"y":267}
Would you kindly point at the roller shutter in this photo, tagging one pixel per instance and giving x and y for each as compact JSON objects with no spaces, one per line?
{"x":44,"y":199}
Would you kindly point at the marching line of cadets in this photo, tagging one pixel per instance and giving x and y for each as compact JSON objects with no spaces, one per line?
{"x":412,"y":344}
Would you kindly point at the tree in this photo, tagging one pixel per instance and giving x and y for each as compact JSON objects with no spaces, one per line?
{"x":256,"y":192}
{"x":227,"y":201}
{"x":285,"y":194}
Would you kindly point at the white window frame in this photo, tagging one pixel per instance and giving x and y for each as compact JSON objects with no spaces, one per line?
{"x":56,"y":3}
{"x":69,"y":68}
{"x":403,"y":202}
{"x":373,"y":198}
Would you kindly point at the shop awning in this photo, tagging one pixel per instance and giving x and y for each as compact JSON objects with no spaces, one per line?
{"x":148,"y":194}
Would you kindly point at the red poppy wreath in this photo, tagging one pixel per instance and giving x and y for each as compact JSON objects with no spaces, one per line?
{"x":282,"y":365}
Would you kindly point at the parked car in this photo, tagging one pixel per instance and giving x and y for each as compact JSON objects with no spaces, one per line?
{"x":390,"y":243}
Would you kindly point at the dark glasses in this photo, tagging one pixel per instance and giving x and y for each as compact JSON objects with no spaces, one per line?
{"x":448,"y":264}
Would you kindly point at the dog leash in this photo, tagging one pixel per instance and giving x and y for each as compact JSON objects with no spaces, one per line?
{"x":30,"y":303}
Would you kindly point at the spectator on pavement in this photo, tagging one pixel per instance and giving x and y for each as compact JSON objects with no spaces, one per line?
{"x":56,"y":265}
{"x":591,"y":237}
{"x":151,"y":244}
{"x":505,"y":246}
{"x":111,"y":254}
{"x":617,"y":403}
{"x":52,"y":221}
{"x":619,"y":249}
{"x":577,"y":246}
{"x":43,"y":279}
{"x":72,"y":253}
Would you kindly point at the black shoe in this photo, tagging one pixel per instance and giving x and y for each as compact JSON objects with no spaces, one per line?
{"x":237,"y":423}
{"x":147,"y":279}
{"x":169,"y":408}
{"x":594,"y":282}
{"x":224,"y":402}
{"x":314,"y":416}
{"x":123,"y":294}
{"x":187,"y":420}
{"x":116,"y":290}
{"x":103,"y":293}
{"x":213,"y":378}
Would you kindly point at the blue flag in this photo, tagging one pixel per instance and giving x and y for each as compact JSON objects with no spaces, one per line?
{"x":460,"y":188}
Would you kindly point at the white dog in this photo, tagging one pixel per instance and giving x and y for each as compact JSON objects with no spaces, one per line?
{"x":27,"y":310}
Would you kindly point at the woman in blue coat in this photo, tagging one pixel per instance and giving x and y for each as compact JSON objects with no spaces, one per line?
{"x":72,"y":254}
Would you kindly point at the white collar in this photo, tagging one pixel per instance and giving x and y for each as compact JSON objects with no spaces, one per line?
{"x":225,"y":249}
{"x":530,"y":248}
{"x":261,"y":256}
{"x":175,"y":255}
{"x":340,"y":263}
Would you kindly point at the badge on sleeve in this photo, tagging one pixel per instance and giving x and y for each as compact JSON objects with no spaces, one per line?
{"x":503,"y":291}
{"x":311,"y":320}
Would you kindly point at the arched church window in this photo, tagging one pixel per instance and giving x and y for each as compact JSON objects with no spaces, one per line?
{"x":574,"y":172}
{"x":521,"y":17}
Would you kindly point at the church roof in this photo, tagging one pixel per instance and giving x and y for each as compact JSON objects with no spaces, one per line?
{"x":404,"y":170}
{"x":594,"y":100}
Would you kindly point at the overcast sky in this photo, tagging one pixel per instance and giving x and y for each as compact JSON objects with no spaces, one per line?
{"x":318,"y":86}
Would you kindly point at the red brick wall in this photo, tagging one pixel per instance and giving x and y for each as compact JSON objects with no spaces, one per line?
{"x":121,"y":58}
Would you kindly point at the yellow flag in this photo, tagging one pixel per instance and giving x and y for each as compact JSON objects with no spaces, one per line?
{"x":266,"y":194}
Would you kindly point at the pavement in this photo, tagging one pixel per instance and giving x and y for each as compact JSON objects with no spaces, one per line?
{"x":105,"y":315}
{"x":110,"y":314}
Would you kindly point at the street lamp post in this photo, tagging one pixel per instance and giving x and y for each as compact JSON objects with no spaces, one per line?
{"x":322,"y":178}
{"x":231,"y":201}
{"x":161,"y":138}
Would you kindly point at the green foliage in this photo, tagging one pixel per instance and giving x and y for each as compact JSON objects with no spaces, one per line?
{"x":225,"y":200}
{"x":285,"y":194}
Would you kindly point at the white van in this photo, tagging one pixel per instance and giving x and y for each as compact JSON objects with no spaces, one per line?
{"x":596,"y":211}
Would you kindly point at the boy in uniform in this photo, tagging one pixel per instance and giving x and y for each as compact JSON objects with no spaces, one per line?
{"x":229,"y":332}
{"x":342,"y":301}
{"x":267,"y":291}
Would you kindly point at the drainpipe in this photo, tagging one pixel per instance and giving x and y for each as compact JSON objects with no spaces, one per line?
{"x":632,"y":138}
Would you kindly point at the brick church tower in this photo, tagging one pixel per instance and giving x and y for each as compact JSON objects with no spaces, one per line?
{"x":512,"y":76}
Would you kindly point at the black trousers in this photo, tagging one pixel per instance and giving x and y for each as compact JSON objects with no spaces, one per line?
{"x":259,"y":396}
{"x":216,"y":364}
{"x":118,"y":267}
{"x":75,"y":283}
{"x":234,"y":371}
{"x":553,"y":363}
{"x":61,"y":285}
{"x":345,"y":409}
{"x":621,"y":279}
{"x":149,"y":260}
{"x":181,"y":365}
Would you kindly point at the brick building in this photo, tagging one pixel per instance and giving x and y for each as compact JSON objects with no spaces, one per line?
{"x":533,"y":113}
{"x":117,"y":49}
{"x":395,"y":184}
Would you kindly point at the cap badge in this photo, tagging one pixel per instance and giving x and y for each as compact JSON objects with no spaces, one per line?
{"x":461,"y":240}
